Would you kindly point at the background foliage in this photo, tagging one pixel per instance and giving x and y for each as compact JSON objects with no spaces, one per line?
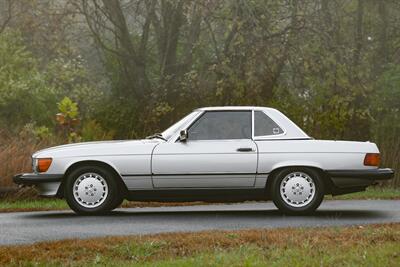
{"x":133,"y":67}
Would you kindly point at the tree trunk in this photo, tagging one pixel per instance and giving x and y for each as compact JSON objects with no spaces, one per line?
{"x":134,"y":66}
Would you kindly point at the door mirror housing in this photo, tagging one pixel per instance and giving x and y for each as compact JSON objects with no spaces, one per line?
{"x":183,"y":135}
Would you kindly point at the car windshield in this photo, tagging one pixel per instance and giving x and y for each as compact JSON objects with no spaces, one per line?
{"x":168,"y":133}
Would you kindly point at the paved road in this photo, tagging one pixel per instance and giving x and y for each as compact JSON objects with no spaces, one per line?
{"x":29,"y":227}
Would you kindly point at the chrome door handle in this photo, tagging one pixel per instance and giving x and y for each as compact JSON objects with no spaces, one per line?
{"x":245,"y":149}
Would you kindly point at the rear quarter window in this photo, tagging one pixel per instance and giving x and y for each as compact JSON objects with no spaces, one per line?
{"x":264,"y":125}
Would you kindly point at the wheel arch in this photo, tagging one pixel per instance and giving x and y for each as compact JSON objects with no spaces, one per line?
{"x":97,"y":163}
{"x":328,"y":184}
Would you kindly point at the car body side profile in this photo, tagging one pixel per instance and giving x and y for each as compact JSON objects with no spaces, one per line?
{"x":212,"y":154}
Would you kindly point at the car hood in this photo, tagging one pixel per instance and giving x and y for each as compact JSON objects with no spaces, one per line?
{"x":115,"y":147}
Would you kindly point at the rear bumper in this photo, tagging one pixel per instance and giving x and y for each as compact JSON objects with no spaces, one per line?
{"x":359,"y":178}
{"x":36,"y":178}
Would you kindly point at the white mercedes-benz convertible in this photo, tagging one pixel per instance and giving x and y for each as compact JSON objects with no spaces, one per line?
{"x":212,"y":154}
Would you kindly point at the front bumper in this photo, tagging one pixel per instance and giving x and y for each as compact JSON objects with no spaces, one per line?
{"x":36,"y":178}
{"x":46,"y":184}
{"x":359,"y":178}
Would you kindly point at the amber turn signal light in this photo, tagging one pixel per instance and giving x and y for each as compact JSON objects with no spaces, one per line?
{"x":372,"y":159}
{"x":43,"y":164}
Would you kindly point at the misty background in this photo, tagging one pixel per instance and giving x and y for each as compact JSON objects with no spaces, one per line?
{"x":76,"y":70}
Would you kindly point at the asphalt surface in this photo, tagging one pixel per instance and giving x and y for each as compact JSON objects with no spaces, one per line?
{"x":30,"y":227}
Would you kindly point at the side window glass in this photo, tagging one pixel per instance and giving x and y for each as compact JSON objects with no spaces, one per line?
{"x":217,"y":125}
{"x":264,"y":125}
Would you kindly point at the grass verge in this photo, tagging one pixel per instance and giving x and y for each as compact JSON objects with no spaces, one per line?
{"x":32,"y":205}
{"x":43,"y":204}
{"x":376,"y":245}
{"x":371,"y":193}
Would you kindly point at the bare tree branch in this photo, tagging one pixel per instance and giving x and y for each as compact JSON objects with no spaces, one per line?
{"x":8,"y":16}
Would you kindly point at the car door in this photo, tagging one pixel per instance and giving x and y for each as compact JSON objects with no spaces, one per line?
{"x":218,"y":153}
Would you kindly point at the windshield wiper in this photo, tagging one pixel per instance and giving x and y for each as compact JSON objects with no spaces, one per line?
{"x":156,"y":135}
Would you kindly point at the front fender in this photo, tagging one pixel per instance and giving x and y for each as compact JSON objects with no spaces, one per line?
{"x":66,"y":164}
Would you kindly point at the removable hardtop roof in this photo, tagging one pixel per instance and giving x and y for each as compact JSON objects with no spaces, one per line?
{"x":291,"y":130}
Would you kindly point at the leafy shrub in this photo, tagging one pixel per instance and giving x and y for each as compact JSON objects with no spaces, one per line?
{"x":24,"y":94}
{"x":93,"y":131}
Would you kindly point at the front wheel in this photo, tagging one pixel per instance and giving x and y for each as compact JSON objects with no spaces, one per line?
{"x":297,"y":190}
{"x":91,"y":190}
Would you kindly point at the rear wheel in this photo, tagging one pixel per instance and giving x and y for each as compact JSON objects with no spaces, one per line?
{"x":297,"y":190}
{"x":92,"y":190}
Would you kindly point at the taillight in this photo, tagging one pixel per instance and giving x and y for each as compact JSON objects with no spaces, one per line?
{"x":372,"y":159}
{"x":43,"y":164}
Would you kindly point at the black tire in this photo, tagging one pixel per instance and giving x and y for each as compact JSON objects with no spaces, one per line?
{"x":292,"y":209}
{"x":111,"y":200}
{"x":117,"y":203}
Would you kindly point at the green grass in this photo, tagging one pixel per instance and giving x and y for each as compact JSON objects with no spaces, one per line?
{"x":376,"y":245}
{"x":60,"y":204}
{"x":371,"y":193}
{"x":36,"y":204}
{"x":250,"y":255}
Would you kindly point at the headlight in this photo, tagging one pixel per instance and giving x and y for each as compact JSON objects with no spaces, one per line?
{"x":34,"y":164}
{"x":41,"y":164}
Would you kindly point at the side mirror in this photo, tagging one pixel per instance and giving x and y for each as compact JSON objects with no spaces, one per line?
{"x":183,"y":135}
